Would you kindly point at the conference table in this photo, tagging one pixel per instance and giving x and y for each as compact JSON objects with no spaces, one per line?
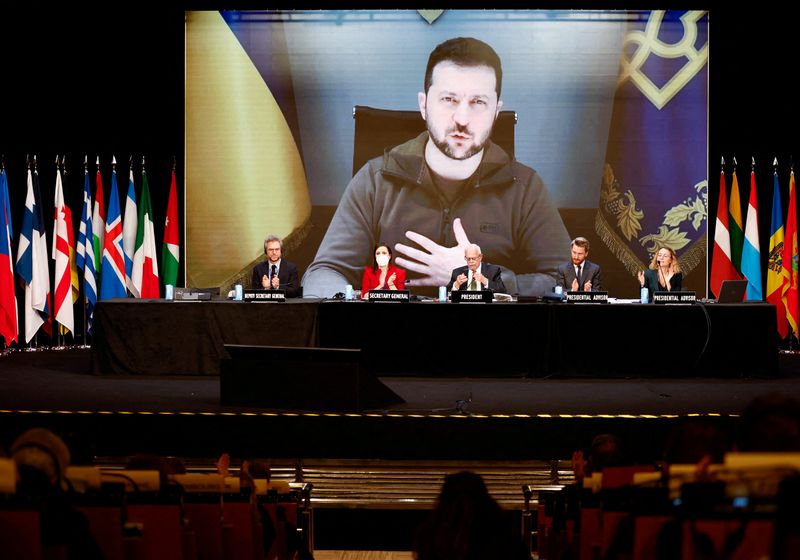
{"x":514,"y":339}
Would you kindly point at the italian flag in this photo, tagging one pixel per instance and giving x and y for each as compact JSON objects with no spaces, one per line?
{"x":144,"y":277}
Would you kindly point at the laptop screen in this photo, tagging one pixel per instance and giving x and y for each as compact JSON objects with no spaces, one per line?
{"x":732,"y":291}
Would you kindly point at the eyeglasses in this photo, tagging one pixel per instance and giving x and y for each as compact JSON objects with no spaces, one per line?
{"x":469,"y":259}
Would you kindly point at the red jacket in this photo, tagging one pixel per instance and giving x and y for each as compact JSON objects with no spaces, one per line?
{"x":372,"y":279}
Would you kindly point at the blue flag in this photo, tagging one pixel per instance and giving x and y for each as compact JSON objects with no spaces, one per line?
{"x":655,"y":195}
{"x":751,"y":250}
{"x":89,"y":277}
{"x":112,"y":284}
{"x":86,"y":259}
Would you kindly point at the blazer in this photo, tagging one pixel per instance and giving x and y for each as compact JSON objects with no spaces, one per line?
{"x":288,"y":278}
{"x":491,"y":271}
{"x":590,"y":273}
{"x":372,"y":278}
{"x":652,"y":284}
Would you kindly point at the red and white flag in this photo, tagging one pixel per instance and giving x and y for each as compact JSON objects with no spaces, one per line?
{"x":721,"y":264}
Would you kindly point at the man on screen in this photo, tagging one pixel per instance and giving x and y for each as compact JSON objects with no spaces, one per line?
{"x":276,"y":273}
{"x":475,"y":275}
{"x":580,"y":275}
{"x":451,"y":186}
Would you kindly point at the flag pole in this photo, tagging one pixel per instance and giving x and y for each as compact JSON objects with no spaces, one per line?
{"x":85,"y":172}
{"x":792,"y":334}
{"x":59,"y":336}
{"x":28,"y":344}
{"x":783,"y":341}
{"x":6,"y":349}
{"x":69,"y":262}
{"x":34,"y":344}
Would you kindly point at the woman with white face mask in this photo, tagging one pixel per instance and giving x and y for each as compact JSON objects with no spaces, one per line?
{"x":383,"y":274}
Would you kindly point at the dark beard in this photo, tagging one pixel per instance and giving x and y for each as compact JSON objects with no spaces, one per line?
{"x":445,"y":148}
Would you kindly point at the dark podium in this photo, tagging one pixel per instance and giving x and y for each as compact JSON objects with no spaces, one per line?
{"x":282,"y":377}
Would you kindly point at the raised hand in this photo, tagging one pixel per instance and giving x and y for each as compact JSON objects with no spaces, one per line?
{"x":435,"y":263}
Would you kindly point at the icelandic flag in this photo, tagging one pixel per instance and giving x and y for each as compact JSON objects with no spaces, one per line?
{"x":9,"y":326}
{"x":751,"y":250}
{"x":129,"y":230}
{"x":112,"y":275}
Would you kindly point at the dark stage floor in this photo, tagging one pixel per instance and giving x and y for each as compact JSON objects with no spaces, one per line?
{"x":466,"y":418}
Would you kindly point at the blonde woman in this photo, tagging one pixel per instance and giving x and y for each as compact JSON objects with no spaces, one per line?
{"x":664,"y":274}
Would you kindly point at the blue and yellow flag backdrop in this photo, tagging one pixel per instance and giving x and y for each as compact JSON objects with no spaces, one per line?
{"x":270,"y":133}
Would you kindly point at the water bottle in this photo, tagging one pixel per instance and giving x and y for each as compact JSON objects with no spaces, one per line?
{"x":442,"y":294}
{"x":348,"y":292}
{"x":239,"y":293}
{"x":645,"y":295}
{"x":168,"y":293}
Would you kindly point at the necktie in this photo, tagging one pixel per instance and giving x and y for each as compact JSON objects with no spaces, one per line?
{"x":272,"y":274}
{"x":473,"y":286}
{"x":578,"y":276}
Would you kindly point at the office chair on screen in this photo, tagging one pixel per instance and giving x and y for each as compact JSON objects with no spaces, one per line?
{"x":379,"y":129}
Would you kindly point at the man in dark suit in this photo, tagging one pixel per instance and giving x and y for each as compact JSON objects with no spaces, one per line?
{"x":580,"y":275}
{"x":476,"y":275}
{"x":276,"y":273}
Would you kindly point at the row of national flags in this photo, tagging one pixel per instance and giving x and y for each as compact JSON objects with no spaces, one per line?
{"x":737,"y":250}
{"x":115,"y":254}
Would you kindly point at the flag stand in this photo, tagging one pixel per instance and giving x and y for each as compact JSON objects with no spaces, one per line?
{"x":85,"y":320}
{"x":33,"y":344}
{"x":791,"y":350}
{"x":7,"y":350}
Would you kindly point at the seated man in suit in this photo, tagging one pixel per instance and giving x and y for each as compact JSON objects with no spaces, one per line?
{"x":476,"y":275}
{"x":580,"y":275}
{"x":276,"y":273}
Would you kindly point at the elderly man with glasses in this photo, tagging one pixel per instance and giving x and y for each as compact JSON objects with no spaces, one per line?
{"x":476,"y":275}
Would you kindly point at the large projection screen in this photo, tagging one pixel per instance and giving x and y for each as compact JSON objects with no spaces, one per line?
{"x":612,"y":116}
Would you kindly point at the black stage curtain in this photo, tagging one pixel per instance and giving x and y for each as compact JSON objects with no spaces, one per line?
{"x":157,"y":337}
{"x":447,"y":340}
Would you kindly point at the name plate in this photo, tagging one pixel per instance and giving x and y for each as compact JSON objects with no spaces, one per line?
{"x":587,"y":297}
{"x":483,"y":296}
{"x":187,"y":294}
{"x":265,"y":295}
{"x":389,"y":295}
{"x":685,"y":298}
